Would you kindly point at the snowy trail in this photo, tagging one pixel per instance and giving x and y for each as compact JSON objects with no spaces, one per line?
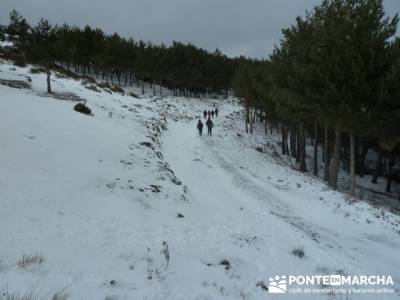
{"x":97,"y":196}
{"x":222,"y":182}
{"x":222,"y":188}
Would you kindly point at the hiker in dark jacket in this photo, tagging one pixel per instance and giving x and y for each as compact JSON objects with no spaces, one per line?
{"x":216,"y":112}
{"x":210,"y":125}
{"x":209,"y":114}
{"x":200,"y":127}
{"x":212,"y":114}
{"x":205,"y":114}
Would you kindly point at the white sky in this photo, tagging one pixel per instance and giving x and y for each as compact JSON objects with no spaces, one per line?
{"x":248,"y":27}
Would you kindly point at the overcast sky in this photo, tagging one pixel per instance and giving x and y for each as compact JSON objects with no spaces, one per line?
{"x":236,"y":27}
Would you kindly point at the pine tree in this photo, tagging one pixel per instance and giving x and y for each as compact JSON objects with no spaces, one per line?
{"x":43,"y":50}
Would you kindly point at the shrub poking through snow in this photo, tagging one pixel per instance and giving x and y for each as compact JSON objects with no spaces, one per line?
{"x":111,"y":88}
{"x":61,"y":295}
{"x":28,"y":260}
{"x":37,"y":70}
{"x":105,"y":86}
{"x":6,"y":295}
{"x":92,"y":87}
{"x":262,"y":285}
{"x":146,"y":144}
{"x":259,"y":149}
{"x":165,"y":252}
{"x":133,"y":95}
{"x":111,"y":298}
{"x":82,"y":108}
{"x":117,"y":89}
{"x":113,"y":282}
{"x":299,"y":252}
{"x":225,"y":263}
{"x":155,"y":188}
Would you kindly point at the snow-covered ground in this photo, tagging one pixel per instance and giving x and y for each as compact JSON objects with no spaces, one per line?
{"x":97,"y":204}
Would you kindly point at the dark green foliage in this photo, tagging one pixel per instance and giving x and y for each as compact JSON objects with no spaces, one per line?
{"x":13,"y":55}
{"x":18,"y":29}
{"x":37,"y":70}
{"x":20,"y":62}
{"x":2,"y":31}
{"x":62,"y":72}
{"x":181,"y":67}
{"x":82,"y":108}
{"x":42,"y":44}
{"x":336,"y":68}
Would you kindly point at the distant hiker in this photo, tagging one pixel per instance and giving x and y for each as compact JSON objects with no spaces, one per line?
{"x":210,"y":125}
{"x":216,"y":112}
{"x":209,"y":114}
{"x":212,"y":114}
{"x":205,"y":114}
{"x":200,"y":127}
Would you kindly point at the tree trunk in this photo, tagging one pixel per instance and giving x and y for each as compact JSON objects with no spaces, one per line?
{"x":352,"y":166}
{"x":48,"y":81}
{"x":298,"y":146}
{"x":391,"y":162}
{"x":246,"y":119}
{"x":119,"y":77}
{"x":142,"y":85}
{"x":265,"y":123}
{"x":315,"y":149}
{"x":378,"y":166}
{"x":327,"y":153}
{"x":363,"y":155}
{"x":251,"y":120}
{"x":345,"y":159}
{"x":302,"y":136}
{"x":334,"y":168}
{"x":292,"y":142}
{"x":283,"y":139}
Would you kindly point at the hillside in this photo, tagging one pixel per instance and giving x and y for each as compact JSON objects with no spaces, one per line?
{"x":130,"y":203}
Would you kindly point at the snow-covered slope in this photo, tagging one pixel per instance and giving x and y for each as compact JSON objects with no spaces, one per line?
{"x":101,"y":202}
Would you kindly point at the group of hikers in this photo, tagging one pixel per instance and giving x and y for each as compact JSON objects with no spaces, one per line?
{"x":209,"y":122}
{"x":210,"y":113}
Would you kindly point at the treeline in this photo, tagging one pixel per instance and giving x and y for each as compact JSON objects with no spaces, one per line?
{"x":335,"y":77}
{"x":184,"y":68}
